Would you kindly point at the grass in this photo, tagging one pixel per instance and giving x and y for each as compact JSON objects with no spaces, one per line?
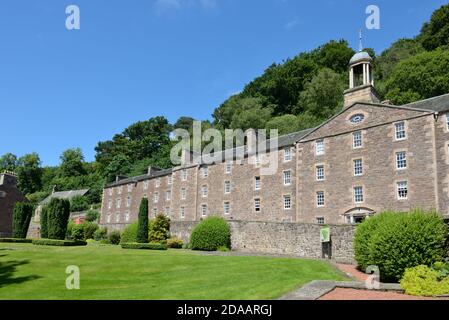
{"x":109,"y":272}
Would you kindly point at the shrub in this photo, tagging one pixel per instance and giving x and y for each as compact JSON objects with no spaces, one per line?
{"x":44,"y":223}
{"x":57,"y":218}
{"x":77,"y":233}
{"x":114,"y":237}
{"x":174,"y":243}
{"x":144,"y":246}
{"x":89,"y":229}
{"x":59,"y":243}
{"x":101,"y":234}
{"x":21,"y":219}
{"x":15,"y":240}
{"x":159,"y":229}
{"x":210,"y":234}
{"x":68,"y":234}
{"x":223,"y":249}
{"x":400,"y":241}
{"x":142,"y":224}
{"x":92,"y":215}
{"x":129,"y":234}
{"x":78,"y":204}
{"x":424,"y":281}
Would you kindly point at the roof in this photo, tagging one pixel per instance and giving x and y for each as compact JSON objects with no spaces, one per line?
{"x":65,"y":195}
{"x":142,"y":177}
{"x":435,"y":104}
{"x":360,"y":56}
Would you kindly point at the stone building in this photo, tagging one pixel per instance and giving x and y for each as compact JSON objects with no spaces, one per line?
{"x":9,"y":196}
{"x":369,"y":157}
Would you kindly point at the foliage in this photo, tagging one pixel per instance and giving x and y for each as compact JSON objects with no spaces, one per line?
{"x":92,"y":215}
{"x":129,"y":234}
{"x":424,"y":281}
{"x":114,"y":237}
{"x":37,"y":197}
{"x":77,"y":233}
{"x":435,"y":34}
{"x":400,"y":241}
{"x":159,"y":229}
{"x":58,"y":243}
{"x":89,"y":229}
{"x":21,"y":219}
{"x":145,"y":246}
{"x":101,"y":234}
{"x":72,"y":163}
{"x":142,"y":224}
{"x":68,"y":233}
{"x":58,"y":213}
{"x":79,"y":204}
{"x":29,"y":173}
{"x":15,"y":240}
{"x":44,"y":222}
{"x":8,"y":162}
{"x":174,"y":243}
{"x":210,"y":234}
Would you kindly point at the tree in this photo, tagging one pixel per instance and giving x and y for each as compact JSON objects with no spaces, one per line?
{"x":422,"y":76}
{"x":142,"y":227}
{"x":119,"y":165}
{"x":78,"y":204}
{"x":185,"y":123}
{"x":8,"y":162}
{"x":284,"y":124}
{"x":44,"y":222}
{"x":29,"y":173}
{"x":255,"y":118}
{"x":72,"y":163}
{"x":21,"y":219}
{"x":333,"y":55}
{"x":92,"y":215}
{"x":435,"y":33}
{"x":58,"y":213}
{"x":159,"y":229}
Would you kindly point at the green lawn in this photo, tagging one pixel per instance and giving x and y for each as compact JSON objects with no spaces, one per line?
{"x":109,"y":272}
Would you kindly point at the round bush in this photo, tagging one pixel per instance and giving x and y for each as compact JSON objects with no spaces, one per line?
{"x":400,"y":241}
{"x":210,"y":234}
{"x":114,"y":237}
{"x":424,"y":281}
{"x":89,"y":229}
{"x":129,"y":234}
{"x":101,"y":234}
{"x":77,"y":232}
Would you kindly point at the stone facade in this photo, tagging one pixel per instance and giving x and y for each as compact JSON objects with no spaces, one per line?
{"x":9,"y":195}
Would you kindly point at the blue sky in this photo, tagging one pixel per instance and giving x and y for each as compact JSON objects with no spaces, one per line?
{"x":135,"y":59}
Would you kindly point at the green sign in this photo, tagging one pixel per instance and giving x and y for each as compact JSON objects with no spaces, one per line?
{"x":325,"y":234}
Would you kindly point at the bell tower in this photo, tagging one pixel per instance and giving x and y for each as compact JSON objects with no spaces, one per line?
{"x":361,"y":79}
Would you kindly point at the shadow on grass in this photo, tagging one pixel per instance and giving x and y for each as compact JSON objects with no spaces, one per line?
{"x":7,"y":270}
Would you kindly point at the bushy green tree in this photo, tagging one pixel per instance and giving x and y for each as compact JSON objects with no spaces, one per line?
{"x":58,"y":213}
{"x":142,"y":229}
{"x":72,"y":163}
{"x":78,"y":204}
{"x":159,"y":229}
{"x":29,"y":173}
{"x":8,"y":162}
{"x":435,"y":34}
{"x":92,"y":215}
{"x":284,"y":124}
{"x":21,"y":219}
{"x":44,"y":222}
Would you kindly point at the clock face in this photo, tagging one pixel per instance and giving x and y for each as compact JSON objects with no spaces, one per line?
{"x":358,"y":118}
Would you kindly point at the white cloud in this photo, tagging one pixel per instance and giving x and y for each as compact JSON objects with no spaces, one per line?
{"x":291,"y":24}
{"x":176,"y":5}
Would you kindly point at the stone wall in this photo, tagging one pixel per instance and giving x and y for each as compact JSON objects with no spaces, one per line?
{"x":302,"y":240}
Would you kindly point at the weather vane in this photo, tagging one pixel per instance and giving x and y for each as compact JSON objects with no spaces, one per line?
{"x":360,"y":41}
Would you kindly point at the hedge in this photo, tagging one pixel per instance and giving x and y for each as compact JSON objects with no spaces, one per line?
{"x":59,"y":243}
{"x":21,"y":219}
{"x":424,"y":281}
{"x":399,"y":241}
{"x":210,"y":234}
{"x":44,"y":222}
{"x":175,"y":243}
{"x":144,"y":246}
{"x":58,"y":212}
{"x":15,"y":240}
{"x":142,"y":222}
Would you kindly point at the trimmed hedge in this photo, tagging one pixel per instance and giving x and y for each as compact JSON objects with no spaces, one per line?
{"x":15,"y":240}
{"x":210,"y":234}
{"x":58,"y":243}
{"x":44,"y":222}
{"x":144,"y":246}
{"x":397,"y":241}
{"x":21,"y":219}
{"x":175,"y":243}
{"x":58,"y":212}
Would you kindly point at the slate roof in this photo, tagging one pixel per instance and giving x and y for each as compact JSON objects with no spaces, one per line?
{"x":142,"y":177}
{"x":65,"y":195}
{"x":435,"y":104}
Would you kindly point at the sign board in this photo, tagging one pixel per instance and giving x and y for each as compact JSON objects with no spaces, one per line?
{"x":325,"y":234}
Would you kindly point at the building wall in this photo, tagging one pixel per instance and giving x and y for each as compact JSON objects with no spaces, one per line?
{"x":10,"y":195}
{"x":441,"y":133}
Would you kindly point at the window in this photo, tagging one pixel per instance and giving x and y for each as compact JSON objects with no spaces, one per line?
{"x":228,"y":167}
{"x":320,"y":173}
{"x":287,"y":154}
{"x":145,"y":185}
{"x":204,"y":191}
{"x":357,"y":141}
{"x":204,"y":210}
{"x":401,"y":160}
{"x":170,"y":180}
{"x":358,"y":194}
{"x":400,"y":130}
{"x":108,"y":218}
{"x":257,"y":205}
{"x":156,"y":197}
{"x":358,"y":167}
{"x":320,"y":220}
{"x":402,"y":190}
{"x":320,"y":199}
{"x":227,"y":187}
{"x":205,"y":172}
{"x":184,"y":175}
{"x":257,"y":160}
{"x":127,"y":216}
{"x":257,"y":183}
{"x":128,"y":201}
{"x":130,"y":187}
{"x":167,"y":211}
{"x":110,"y":191}
{"x":157,"y":183}
{"x":168,"y":195}
{"x":357,"y":118}
{"x":183,"y":193}
{"x":119,"y":203}
{"x":120,"y":189}
{"x":117,"y":217}
{"x":154,"y":212}
{"x":227,"y":208}
{"x":287,"y":202}
{"x":110,"y":204}
{"x":447,"y":121}
{"x":319,"y":147}
{"x":182,"y":212}
{"x":287,"y":178}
